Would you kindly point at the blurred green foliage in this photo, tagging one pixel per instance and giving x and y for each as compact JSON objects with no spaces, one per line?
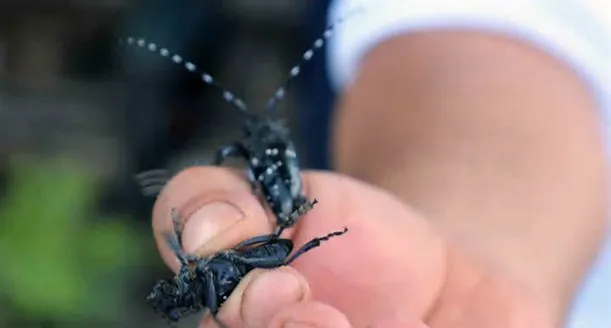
{"x":60,"y":262}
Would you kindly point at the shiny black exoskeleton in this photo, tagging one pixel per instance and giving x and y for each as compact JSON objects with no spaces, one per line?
{"x":273,"y":168}
{"x":271,"y":158}
{"x":206,"y":282}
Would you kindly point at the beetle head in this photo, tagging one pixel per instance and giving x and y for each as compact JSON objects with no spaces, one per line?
{"x":164,"y":297}
{"x":265,"y":129}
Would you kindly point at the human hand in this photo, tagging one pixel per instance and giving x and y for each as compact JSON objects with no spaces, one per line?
{"x":392,"y":268}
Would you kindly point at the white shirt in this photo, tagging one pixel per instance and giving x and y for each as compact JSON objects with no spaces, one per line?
{"x":577,"y":32}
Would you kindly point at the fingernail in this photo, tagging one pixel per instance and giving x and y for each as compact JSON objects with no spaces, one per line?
{"x":207,"y":222}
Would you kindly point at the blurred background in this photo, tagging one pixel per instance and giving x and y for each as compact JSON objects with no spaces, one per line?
{"x":80,"y":115}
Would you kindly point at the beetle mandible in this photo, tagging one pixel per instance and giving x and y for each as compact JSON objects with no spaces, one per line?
{"x":206,"y":282}
{"x":273,"y":169}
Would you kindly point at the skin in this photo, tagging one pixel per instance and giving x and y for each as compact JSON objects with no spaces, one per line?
{"x":479,"y":201}
{"x":497,"y":144}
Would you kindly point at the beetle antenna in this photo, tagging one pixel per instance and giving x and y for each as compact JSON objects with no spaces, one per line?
{"x":174,"y":239}
{"x":306,"y":57}
{"x":189,"y":66}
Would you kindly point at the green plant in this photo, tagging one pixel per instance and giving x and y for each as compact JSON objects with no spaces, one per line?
{"x":58,"y":263}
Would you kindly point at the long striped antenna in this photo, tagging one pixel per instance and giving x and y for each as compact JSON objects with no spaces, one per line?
{"x":306,"y":57}
{"x":189,"y":66}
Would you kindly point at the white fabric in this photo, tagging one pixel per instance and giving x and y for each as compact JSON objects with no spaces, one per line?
{"x":575,"y":31}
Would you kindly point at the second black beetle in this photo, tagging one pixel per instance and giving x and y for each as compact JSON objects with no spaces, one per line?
{"x":206,"y":282}
{"x":272,"y":161}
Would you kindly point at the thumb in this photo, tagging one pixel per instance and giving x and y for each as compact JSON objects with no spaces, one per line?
{"x":216,"y":210}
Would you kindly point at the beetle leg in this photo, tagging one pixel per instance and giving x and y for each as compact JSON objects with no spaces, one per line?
{"x":250,"y":176}
{"x":212,"y":300}
{"x":174,"y":239}
{"x":279,"y":231}
{"x":313,"y":244}
{"x":256,"y":240}
{"x":269,"y":262}
{"x":304,"y":206}
{"x":227,"y":152}
{"x":152,"y":182}
{"x":176,"y":225}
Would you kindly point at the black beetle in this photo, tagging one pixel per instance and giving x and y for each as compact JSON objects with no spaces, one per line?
{"x":272,"y":161}
{"x":206,"y":282}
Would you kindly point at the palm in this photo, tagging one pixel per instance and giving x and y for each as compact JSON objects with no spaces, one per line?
{"x":392,"y":264}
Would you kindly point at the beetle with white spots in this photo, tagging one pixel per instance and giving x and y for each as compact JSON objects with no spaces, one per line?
{"x":273,"y":168}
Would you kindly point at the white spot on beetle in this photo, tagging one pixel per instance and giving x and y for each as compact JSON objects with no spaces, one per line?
{"x":207,"y":78}
{"x":308,"y":55}
{"x":295,"y":71}
{"x":190,"y":66}
{"x":290,"y":153}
